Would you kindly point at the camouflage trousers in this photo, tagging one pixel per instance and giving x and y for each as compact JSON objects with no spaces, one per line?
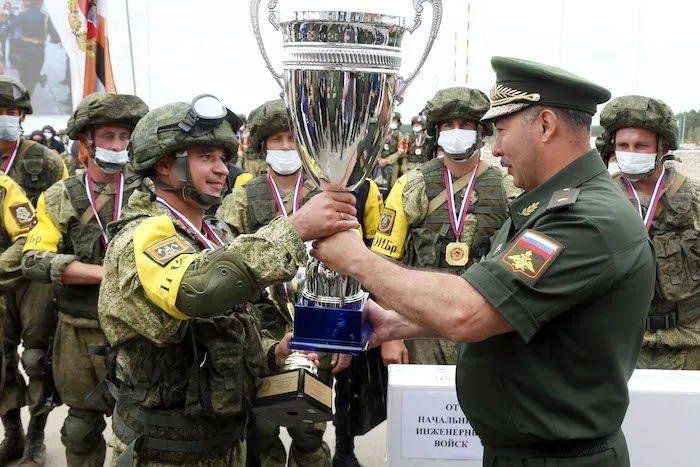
{"x":265,"y":448}
{"x":431,"y":352}
{"x":234,"y":457}
{"x":669,"y":358}
{"x":28,"y":318}
{"x":77,"y":373}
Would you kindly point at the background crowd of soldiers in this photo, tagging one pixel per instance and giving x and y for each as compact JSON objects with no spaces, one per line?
{"x":54,"y":238}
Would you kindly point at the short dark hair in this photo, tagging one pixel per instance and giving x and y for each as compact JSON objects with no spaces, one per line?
{"x":576,"y":119}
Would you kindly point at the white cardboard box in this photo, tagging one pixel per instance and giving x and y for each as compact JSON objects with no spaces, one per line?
{"x":426,"y":426}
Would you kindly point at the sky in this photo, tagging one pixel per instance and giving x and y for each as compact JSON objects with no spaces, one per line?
{"x":182,"y":48}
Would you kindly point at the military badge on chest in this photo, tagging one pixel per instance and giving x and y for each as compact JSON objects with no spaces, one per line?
{"x":531,"y":254}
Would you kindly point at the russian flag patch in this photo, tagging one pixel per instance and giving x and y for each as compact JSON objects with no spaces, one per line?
{"x":531,"y":254}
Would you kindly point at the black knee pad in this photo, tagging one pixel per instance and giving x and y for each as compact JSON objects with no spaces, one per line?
{"x":33,"y":362}
{"x":82,"y":430}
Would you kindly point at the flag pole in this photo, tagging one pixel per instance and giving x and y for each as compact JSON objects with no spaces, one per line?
{"x":131,"y":46}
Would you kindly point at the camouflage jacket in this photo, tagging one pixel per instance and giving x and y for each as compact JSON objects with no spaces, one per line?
{"x":202,"y":372}
{"x":407,"y":232}
{"x":17,"y":218}
{"x":35,"y":168}
{"x":675,"y":232}
{"x":68,"y":231}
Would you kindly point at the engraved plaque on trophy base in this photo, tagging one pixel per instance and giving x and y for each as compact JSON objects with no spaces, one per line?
{"x":293,"y":398}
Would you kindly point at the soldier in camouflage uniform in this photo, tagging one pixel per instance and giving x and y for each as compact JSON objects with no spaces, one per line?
{"x":424,"y":225}
{"x":388,"y":164}
{"x":420,"y":149}
{"x":66,"y":249}
{"x":175,"y":301}
{"x":29,"y":315}
{"x":251,"y":161}
{"x":639,"y":131}
{"x":255,"y":205}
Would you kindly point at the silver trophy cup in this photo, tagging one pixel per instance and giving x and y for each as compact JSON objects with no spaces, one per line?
{"x":340,"y":85}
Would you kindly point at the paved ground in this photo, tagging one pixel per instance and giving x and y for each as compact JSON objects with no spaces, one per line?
{"x":370,"y":449}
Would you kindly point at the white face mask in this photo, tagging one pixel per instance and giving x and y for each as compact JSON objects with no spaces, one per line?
{"x":417,"y":128}
{"x":48,"y":136}
{"x":393,"y":125}
{"x":10,"y":128}
{"x":613,"y":168}
{"x":457,"y":142}
{"x":635,"y":163}
{"x":111,"y":161}
{"x":283,"y":162}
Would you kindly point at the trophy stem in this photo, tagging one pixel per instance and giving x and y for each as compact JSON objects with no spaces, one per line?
{"x":329,"y":289}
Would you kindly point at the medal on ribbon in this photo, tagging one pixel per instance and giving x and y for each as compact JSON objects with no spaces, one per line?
{"x":655,"y":198}
{"x":11,"y":159}
{"x":278,"y":198}
{"x":209,"y":239}
{"x":457,"y":252}
{"x":116,"y":211}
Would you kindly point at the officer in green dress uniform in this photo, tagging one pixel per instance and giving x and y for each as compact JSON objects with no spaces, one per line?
{"x":551,"y":320}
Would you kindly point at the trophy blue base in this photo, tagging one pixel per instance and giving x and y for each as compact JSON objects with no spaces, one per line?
{"x":336,"y":330}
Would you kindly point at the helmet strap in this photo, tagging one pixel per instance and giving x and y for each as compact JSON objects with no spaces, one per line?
{"x":182,"y":171}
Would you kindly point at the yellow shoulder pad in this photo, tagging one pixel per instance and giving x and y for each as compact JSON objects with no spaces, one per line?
{"x":243,"y":178}
{"x":373,"y":210}
{"x":393,"y":226}
{"x":17,"y":211}
{"x":162,"y":257}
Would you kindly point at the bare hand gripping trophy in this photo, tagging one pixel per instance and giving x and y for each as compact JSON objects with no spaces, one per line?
{"x":340,"y":85}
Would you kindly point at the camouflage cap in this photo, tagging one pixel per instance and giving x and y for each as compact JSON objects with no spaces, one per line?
{"x":157,"y":134}
{"x":265,"y":121}
{"x":396,"y":116}
{"x":458,"y":102}
{"x":101,"y":108}
{"x":640,"y":112}
{"x":521,"y":83}
{"x":14,"y":94}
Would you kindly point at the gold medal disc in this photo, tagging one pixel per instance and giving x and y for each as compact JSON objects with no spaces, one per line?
{"x":457,"y":254}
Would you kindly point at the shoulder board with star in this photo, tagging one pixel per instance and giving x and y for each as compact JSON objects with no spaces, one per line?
{"x":563,"y":198}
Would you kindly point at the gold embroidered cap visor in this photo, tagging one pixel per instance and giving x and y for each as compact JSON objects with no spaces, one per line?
{"x":521,"y":83}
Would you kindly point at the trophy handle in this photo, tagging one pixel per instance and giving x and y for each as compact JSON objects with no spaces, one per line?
{"x":255,"y":20}
{"x":434,"y":28}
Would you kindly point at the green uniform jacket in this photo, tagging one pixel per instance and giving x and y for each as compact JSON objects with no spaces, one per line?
{"x":572,"y":271}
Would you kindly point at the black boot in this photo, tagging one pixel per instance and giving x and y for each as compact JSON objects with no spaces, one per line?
{"x":35,"y":451}
{"x":344,"y":451}
{"x":12,"y":446}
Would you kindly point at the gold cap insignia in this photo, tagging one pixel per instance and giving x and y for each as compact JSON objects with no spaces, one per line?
{"x":501,"y":95}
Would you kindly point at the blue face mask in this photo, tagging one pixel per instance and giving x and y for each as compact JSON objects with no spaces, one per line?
{"x":10,"y":128}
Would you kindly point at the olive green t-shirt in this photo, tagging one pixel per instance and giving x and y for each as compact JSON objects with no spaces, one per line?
{"x":573,"y":272}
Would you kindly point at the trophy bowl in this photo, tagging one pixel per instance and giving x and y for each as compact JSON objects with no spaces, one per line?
{"x":340,"y":81}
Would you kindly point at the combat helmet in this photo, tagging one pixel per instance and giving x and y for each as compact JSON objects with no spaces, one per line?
{"x":418,"y":119}
{"x":636,"y":111}
{"x":170,"y":130}
{"x":457,"y":102}
{"x":264,"y":121}
{"x":14,"y":94}
{"x":101,"y":108}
